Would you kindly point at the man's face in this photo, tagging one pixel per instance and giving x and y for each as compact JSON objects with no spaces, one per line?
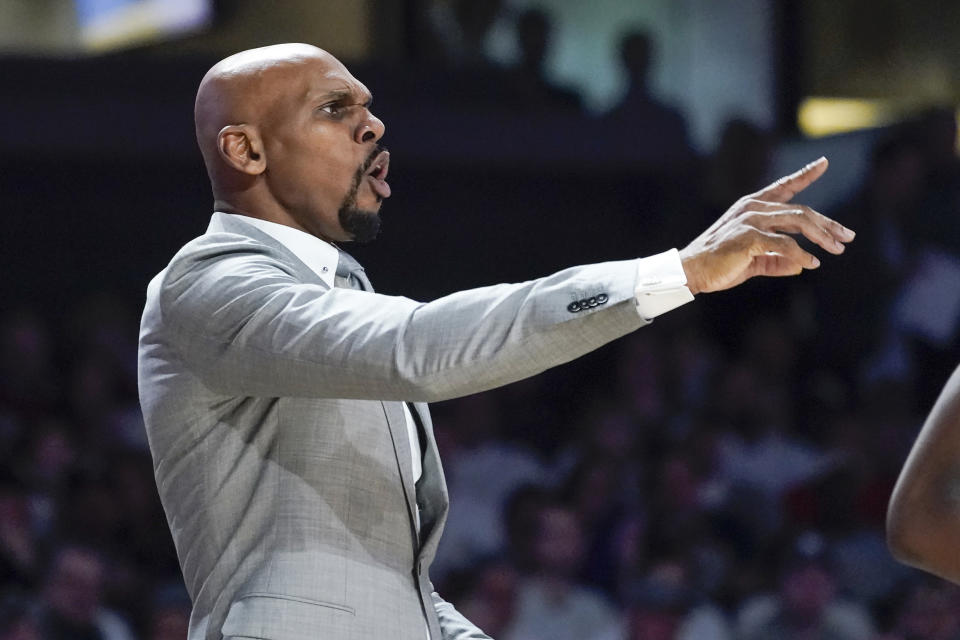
{"x":324,"y":161}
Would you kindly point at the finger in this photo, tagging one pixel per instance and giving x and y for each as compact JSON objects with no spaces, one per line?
{"x":800,"y":221}
{"x":771,"y":264}
{"x":786,"y":187}
{"x":775,"y":243}
{"x":837,"y":230}
{"x":840,"y":232}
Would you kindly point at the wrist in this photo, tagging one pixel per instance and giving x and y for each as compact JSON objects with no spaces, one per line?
{"x":690,"y":272}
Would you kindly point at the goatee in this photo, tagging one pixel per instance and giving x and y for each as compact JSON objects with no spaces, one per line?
{"x":363,"y":225}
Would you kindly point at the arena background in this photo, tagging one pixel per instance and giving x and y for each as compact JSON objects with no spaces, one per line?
{"x":722,"y":473}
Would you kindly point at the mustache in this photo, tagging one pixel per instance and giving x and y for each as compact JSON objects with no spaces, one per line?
{"x":351,"y":198}
{"x":377,"y":150}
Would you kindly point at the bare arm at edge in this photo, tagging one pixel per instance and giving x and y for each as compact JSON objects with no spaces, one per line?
{"x":923,"y":520}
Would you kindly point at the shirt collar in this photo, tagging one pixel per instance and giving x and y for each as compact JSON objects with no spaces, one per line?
{"x":321,"y":256}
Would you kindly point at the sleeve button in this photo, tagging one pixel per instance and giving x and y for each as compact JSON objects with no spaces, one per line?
{"x":602,"y":298}
{"x":573,"y":307}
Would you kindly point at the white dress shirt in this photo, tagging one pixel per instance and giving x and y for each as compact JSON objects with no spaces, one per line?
{"x":661,"y":284}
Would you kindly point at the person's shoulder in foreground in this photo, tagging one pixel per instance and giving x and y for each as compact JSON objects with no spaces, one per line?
{"x":923,"y":521}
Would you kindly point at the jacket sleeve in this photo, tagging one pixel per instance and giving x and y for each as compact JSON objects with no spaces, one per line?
{"x":246,"y":325}
{"x":452,"y":623}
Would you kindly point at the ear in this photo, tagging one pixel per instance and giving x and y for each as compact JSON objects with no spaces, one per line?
{"x":241,"y":148}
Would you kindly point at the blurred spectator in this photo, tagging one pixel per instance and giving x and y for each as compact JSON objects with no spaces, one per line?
{"x":530,"y":86}
{"x":652,"y":622}
{"x":17,"y":618}
{"x":485,"y":468}
{"x":28,"y":376}
{"x":849,"y":505}
{"x":550,"y":603}
{"x":641,"y":126}
{"x":855,"y":546}
{"x":72,"y":599}
{"x":19,"y":555}
{"x":929,"y":612}
{"x":170,"y":616}
{"x":51,"y":453}
{"x":754,"y":400}
{"x":663,"y":606}
{"x":758,"y":458}
{"x":884,"y":213}
{"x":134,"y":492}
{"x":936,"y":131}
{"x":101,"y":325}
{"x":102,"y":388}
{"x":930,"y":314}
{"x":739,"y":164}
{"x":600,"y":491}
{"x":805,"y":606}
{"x":639,"y":379}
{"x":491,"y":603}
{"x":460,"y":29}
{"x":522,"y":515}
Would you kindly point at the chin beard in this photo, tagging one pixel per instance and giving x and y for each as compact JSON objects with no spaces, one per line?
{"x":362,"y":225}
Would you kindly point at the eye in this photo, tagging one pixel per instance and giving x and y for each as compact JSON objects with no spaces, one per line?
{"x":333,"y":109}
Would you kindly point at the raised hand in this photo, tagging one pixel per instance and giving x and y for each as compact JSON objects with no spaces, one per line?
{"x":752,"y":237}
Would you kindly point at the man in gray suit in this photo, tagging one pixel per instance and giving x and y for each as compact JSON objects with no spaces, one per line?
{"x":283,"y":398}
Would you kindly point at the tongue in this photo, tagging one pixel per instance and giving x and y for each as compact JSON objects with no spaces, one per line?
{"x":380,"y":187}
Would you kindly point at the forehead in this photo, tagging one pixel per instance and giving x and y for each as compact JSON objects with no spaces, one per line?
{"x":326,"y":76}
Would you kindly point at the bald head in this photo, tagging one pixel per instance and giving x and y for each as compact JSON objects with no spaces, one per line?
{"x":246,"y":88}
{"x":286,"y":135}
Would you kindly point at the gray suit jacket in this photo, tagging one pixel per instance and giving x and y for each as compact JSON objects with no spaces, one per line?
{"x":273,"y":411}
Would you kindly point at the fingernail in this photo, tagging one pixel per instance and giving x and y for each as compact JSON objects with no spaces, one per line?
{"x":849,"y":234}
{"x":838,"y":246}
{"x":816,"y":262}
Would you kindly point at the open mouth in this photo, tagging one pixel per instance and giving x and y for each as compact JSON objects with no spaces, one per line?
{"x":378,"y":174}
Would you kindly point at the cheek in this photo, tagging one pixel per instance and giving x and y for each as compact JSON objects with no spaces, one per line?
{"x":316,"y":162}
{"x":332,"y":176}
{"x":305,"y":179}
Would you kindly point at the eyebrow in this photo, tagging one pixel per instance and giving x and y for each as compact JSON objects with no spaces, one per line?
{"x":346,"y":94}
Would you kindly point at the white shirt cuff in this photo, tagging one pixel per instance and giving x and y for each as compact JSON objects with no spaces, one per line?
{"x":661,"y":284}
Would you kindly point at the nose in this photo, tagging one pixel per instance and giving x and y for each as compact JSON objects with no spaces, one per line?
{"x":370,"y":129}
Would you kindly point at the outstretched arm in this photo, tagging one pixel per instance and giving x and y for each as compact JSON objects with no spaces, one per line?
{"x":923,"y":521}
{"x":246,"y":325}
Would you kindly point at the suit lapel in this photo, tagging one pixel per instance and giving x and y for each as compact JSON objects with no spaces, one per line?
{"x":397,"y":425}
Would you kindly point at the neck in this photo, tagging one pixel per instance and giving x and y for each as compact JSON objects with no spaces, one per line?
{"x":268,"y":210}
{"x":271,"y":212}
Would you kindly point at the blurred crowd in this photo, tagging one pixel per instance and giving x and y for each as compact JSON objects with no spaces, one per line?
{"x":720,"y":474}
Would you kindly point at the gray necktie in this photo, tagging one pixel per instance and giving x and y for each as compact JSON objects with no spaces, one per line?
{"x":350,"y":274}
